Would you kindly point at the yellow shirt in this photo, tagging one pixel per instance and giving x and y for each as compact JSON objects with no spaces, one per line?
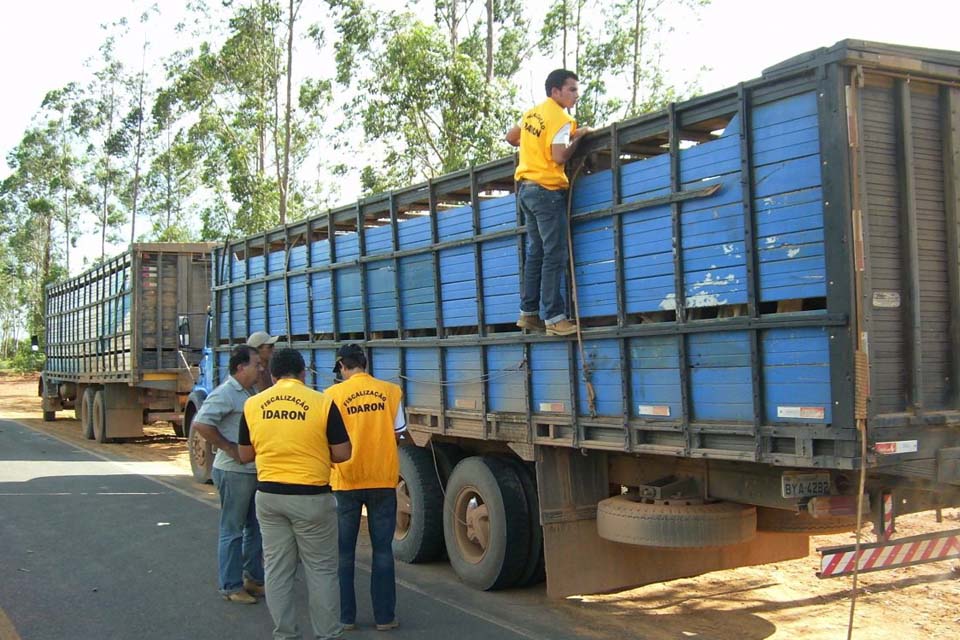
{"x":370,"y":409}
{"x":287,"y":427}
{"x":538,"y":128}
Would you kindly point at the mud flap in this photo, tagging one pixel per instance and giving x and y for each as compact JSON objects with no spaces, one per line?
{"x":123,"y":411}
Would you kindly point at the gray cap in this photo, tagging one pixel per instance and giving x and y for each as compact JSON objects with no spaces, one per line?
{"x":259,"y":338}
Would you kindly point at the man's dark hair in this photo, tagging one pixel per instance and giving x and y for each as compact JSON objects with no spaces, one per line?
{"x":557,"y":77}
{"x":239,"y":356}
{"x":286,"y":363}
{"x":351,"y":356}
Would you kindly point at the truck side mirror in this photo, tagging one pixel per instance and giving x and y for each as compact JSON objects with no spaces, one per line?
{"x":34,"y":343}
{"x":183,"y":331}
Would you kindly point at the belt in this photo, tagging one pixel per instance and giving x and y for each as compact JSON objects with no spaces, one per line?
{"x":285,"y":489}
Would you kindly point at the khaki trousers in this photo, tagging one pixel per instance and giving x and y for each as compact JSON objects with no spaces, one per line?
{"x":300,"y":528}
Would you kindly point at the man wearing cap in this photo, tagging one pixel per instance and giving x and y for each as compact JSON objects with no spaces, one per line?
{"x":263,"y":342}
{"x":239,"y":551}
{"x":295,"y":433}
{"x":373,"y":413}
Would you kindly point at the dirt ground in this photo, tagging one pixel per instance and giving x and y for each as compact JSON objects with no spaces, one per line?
{"x":784,"y":600}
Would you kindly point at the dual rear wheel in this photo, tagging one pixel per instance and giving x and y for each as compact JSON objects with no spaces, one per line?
{"x":93,"y":415}
{"x":486,"y":517}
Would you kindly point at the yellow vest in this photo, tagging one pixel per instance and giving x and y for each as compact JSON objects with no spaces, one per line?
{"x":288,"y":430}
{"x":538,"y":127}
{"x":369,"y":407}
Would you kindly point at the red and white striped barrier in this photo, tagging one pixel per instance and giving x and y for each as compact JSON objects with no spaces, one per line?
{"x":932,"y":547}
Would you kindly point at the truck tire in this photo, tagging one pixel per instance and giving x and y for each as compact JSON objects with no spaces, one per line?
{"x":100,"y":417}
{"x":535,"y":570}
{"x":486,"y":524}
{"x":86,"y":419}
{"x":201,"y":451}
{"x":179,"y":429}
{"x":717,"y":524}
{"x":782,"y":521}
{"x":419,"y":533}
{"x":49,"y":416}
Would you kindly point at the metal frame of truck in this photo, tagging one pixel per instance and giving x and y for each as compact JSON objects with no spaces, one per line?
{"x":633,"y":498}
{"x":123,"y":340}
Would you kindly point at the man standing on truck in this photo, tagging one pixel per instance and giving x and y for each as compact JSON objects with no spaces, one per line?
{"x":547,"y":136}
{"x":295,"y":433}
{"x":264,"y":343}
{"x":239,"y":551}
{"x":372,"y":410}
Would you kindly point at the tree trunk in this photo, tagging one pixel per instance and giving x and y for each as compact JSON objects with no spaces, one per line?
{"x":262,"y":116}
{"x":47,"y":253}
{"x":66,"y":189}
{"x":138,"y":151}
{"x":638,"y":33}
{"x":169,"y":181}
{"x":566,"y":13}
{"x":285,"y":180}
{"x":576,"y":26}
{"x":489,"y":41}
{"x":454,"y":25}
{"x":105,"y":212}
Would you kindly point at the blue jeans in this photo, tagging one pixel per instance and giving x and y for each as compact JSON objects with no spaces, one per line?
{"x":546,"y":215}
{"x":240,"y":550}
{"x":381,"y":521}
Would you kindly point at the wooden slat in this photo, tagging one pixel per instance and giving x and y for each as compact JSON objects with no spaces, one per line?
{"x":950,"y":123}
{"x":910,"y":266}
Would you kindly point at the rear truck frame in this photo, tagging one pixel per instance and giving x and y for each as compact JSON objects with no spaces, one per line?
{"x":123,"y":340}
{"x":769,"y":292}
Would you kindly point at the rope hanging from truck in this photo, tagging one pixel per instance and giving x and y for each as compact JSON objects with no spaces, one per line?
{"x":584,"y":365}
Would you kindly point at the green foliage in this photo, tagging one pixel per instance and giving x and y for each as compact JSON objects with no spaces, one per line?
{"x":207,"y":152}
{"x":628,"y":52}
{"x":235,"y":93}
{"x":25,"y":360}
{"x":428,"y":106}
{"x":619,"y":58}
{"x":27,"y":198}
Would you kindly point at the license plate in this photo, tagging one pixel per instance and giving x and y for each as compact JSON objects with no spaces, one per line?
{"x":805,"y":485}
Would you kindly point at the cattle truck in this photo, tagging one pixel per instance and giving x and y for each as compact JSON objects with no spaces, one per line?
{"x":124,"y":339}
{"x":767,"y":283}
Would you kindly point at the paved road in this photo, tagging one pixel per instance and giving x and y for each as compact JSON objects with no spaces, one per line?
{"x":96,"y":546}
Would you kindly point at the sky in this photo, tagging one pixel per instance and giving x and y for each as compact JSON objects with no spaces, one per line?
{"x":44,"y":43}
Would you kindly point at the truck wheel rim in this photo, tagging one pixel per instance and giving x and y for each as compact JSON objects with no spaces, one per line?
{"x":404,"y":510}
{"x":471,"y":524}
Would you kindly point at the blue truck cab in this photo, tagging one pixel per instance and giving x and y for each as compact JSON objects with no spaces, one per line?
{"x":201,"y":451}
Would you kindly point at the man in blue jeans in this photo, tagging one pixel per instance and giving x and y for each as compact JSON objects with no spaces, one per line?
{"x":373,"y":413}
{"x":239,"y":550}
{"x":547,"y":136}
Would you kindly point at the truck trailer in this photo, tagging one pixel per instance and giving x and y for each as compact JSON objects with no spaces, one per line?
{"x":124,"y":340}
{"x":768,"y":288}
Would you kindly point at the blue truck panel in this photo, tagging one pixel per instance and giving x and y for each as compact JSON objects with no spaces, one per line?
{"x":706,"y":246}
{"x":464,"y":377}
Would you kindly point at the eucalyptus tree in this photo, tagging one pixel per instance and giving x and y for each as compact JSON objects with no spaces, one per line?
{"x":63,"y":112}
{"x":28,"y":209}
{"x":10,"y":311}
{"x":99,"y":115}
{"x":253,"y":123}
{"x":423,"y":95}
{"x":620,"y":57}
{"x":172,"y":177}
{"x":134,"y":132}
{"x":560,"y":32}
